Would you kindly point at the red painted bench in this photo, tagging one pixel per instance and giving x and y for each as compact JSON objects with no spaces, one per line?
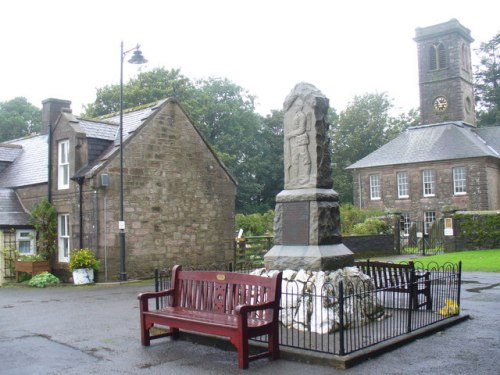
{"x":401,"y":278}
{"x":233,"y":305}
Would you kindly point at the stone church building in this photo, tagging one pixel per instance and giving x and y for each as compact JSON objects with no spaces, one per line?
{"x":446,"y":163}
{"x":178,"y":197}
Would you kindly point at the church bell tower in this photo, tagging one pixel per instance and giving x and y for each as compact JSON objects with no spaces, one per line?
{"x":445,"y":73}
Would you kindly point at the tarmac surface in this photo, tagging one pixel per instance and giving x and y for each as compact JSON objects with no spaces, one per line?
{"x":95,"y":330}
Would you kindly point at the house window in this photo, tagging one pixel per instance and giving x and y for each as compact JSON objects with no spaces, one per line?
{"x":459,"y":181}
{"x":403,"y":184}
{"x":374,"y":187}
{"x":63,"y":165}
{"x":437,"y":57}
{"x":429,"y":218}
{"x":25,"y":240}
{"x":429,"y":182}
{"x":63,"y":237}
{"x":406,"y":223}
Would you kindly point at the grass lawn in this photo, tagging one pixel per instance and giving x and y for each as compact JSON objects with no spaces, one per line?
{"x":479,"y":260}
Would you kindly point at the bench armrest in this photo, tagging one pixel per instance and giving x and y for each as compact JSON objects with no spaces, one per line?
{"x":143,"y":297}
{"x":245,"y":309}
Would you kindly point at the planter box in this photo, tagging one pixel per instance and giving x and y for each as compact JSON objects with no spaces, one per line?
{"x":33,"y":268}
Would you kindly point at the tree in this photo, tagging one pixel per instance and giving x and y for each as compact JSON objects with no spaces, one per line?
{"x":364,"y":126}
{"x":487,"y":83}
{"x":146,"y":88}
{"x":18,"y":118}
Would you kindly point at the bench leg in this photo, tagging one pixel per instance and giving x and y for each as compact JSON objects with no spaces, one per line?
{"x":145,"y":337}
{"x":273,"y":344}
{"x":242,"y":348}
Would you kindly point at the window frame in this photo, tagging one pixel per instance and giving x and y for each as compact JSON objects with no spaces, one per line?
{"x":63,"y":237}
{"x":406,"y":224}
{"x":375,"y":188}
{"x":427,"y":222}
{"x":403,"y":186}
{"x":428,"y":186}
{"x":31,"y":238}
{"x":63,"y":164}
{"x":459,"y":182}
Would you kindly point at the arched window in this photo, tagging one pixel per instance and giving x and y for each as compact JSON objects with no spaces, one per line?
{"x":465,"y":57}
{"x":437,"y":57}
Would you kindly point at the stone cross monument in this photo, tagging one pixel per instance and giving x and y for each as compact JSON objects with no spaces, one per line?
{"x":307,"y":218}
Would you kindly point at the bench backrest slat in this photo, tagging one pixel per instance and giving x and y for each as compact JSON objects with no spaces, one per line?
{"x":387,"y":276}
{"x":221,"y":291}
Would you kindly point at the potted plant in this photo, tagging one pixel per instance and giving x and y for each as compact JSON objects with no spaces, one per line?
{"x":83,"y":263}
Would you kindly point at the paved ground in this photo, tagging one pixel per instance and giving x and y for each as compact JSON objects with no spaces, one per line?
{"x":95,"y":330}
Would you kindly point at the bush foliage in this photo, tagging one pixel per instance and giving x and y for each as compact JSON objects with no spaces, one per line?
{"x":43,"y":279}
{"x":255,"y":224}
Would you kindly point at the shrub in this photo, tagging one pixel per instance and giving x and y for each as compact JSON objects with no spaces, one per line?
{"x":255,"y":224}
{"x":372,"y":225}
{"x":43,"y":279}
{"x":83,"y":258}
{"x":43,"y":217}
{"x":351,"y":215}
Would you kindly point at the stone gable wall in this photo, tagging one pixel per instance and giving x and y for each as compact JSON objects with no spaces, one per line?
{"x":178,"y":200}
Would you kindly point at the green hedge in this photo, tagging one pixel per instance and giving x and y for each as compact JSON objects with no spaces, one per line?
{"x":479,"y":229}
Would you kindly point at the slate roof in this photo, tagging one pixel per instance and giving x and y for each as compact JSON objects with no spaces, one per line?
{"x":426,"y":143}
{"x":9,"y":152}
{"x":99,"y":129}
{"x":12,"y":213}
{"x":30,"y":165}
{"x":132,"y":120}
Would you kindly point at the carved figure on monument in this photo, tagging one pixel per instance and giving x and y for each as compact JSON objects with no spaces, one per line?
{"x":299,"y":161}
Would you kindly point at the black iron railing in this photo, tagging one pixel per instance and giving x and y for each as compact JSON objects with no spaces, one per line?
{"x":344,"y":318}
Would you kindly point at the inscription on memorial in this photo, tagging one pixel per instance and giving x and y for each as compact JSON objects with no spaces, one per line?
{"x":296,"y":223}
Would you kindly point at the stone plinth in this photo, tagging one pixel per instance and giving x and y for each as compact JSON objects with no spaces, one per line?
{"x":310,"y":257}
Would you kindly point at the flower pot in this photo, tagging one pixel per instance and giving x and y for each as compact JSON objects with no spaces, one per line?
{"x":82,"y":276}
{"x":32,"y":267}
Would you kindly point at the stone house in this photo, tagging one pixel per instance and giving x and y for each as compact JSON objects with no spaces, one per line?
{"x":178,"y":197}
{"x":447,"y":163}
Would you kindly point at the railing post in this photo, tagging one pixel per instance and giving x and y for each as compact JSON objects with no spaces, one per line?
{"x":157,"y":287}
{"x":459,"y":283}
{"x":341,"y":318}
{"x":411,"y":299}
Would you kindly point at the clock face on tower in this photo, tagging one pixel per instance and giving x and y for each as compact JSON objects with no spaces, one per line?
{"x":440,"y":103}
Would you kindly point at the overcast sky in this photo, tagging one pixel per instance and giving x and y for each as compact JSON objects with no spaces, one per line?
{"x":67,"y":48}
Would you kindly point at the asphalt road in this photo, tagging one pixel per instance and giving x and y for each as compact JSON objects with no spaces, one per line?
{"x":95,"y":330}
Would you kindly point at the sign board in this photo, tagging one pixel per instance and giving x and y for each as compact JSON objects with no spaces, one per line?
{"x":420,"y":235}
{"x":448,"y":226}
{"x":121,"y":225}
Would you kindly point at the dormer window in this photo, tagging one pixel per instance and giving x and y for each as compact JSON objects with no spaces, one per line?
{"x":437,"y":57}
{"x":63,"y":164}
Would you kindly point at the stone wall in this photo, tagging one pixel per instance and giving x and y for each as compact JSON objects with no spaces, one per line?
{"x":375,"y":245}
{"x":479,"y":171}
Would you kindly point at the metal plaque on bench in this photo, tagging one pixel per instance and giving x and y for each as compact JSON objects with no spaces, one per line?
{"x":296,"y":223}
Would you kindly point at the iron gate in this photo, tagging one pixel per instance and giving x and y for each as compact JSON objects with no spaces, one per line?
{"x":419,"y":238}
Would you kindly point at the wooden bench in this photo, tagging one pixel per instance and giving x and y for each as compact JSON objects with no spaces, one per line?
{"x":401,"y":278}
{"x":233,"y":305}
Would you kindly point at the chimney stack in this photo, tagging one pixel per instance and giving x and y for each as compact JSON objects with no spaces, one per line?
{"x":51,"y":111}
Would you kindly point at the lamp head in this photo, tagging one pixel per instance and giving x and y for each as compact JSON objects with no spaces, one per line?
{"x":137,"y":57}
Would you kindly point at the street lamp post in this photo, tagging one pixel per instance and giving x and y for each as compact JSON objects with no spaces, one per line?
{"x":137,"y":58}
